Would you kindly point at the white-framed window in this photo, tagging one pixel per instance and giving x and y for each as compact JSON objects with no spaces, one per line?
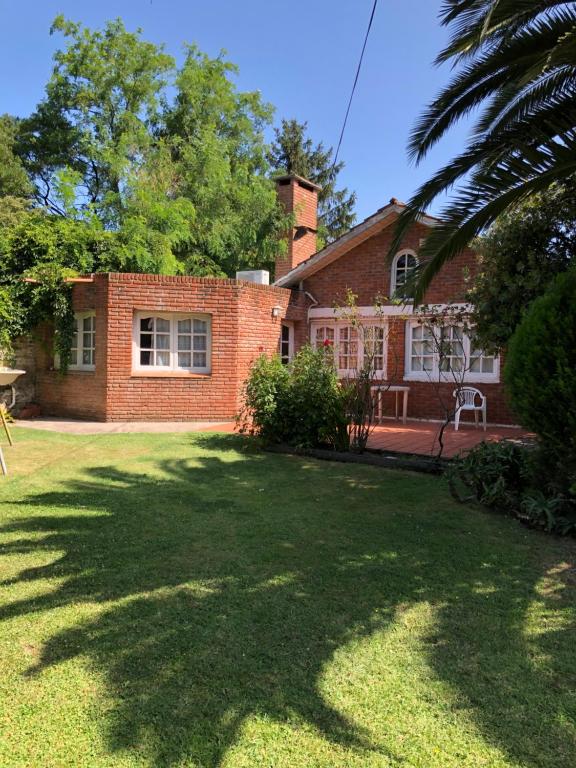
{"x":373,"y":346}
{"x":286,"y":342}
{"x":353,"y":346}
{"x":403,"y":266}
{"x":83,"y":350}
{"x":442,"y":354}
{"x":347,"y":351}
{"x":171,"y":342}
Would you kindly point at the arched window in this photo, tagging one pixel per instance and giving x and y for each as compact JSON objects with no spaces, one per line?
{"x":403,"y":266}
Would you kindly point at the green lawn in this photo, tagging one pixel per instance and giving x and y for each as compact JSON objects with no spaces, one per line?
{"x":180,"y":600}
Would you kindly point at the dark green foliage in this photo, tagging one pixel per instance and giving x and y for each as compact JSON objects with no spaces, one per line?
{"x":518,"y":481}
{"x":496,"y":475}
{"x":302,"y":405}
{"x":294,"y":152}
{"x":13,"y":177}
{"x":540,"y":371}
{"x":514,"y":65}
{"x":520,"y":256}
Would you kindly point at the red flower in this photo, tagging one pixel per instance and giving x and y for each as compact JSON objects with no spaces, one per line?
{"x":327,"y":343}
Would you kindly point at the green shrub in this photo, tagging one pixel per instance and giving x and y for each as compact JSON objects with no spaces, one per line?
{"x":508,"y":478}
{"x":301,"y":404}
{"x":265,"y":392}
{"x":540,"y":372}
{"x":495,"y":474}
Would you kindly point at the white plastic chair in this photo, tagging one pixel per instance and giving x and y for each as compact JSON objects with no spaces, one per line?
{"x":467,"y":400}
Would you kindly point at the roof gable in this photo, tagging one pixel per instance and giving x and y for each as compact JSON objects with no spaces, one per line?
{"x":358,"y":234}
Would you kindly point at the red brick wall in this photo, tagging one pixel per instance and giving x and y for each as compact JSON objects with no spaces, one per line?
{"x":79,"y":394}
{"x":428,"y":399}
{"x":366,"y":271}
{"x":242,"y":326}
{"x":302,"y":200}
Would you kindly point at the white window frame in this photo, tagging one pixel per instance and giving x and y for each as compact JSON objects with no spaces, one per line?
{"x":394,"y":271}
{"x":336,"y":326}
{"x":79,"y":318}
{"x":435,"y":374}
{"x":173,"y":368}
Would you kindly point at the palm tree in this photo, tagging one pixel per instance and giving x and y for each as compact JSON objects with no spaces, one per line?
{"x":516,"y":61}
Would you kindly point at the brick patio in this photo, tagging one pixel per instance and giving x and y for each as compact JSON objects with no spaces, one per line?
{"x":421,"y":437}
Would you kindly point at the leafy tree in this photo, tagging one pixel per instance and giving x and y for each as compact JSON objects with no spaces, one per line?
{"x":94,"y":128}
{"x":216,"y":137}
{"x":520,"y":255}
{"x":13,"y":177}
{"x":517,"y":60}
{"x":174,"y":161}
{"x":294,"y":152}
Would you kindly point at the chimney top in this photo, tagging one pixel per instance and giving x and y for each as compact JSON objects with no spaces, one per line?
{"x":288,"y":177}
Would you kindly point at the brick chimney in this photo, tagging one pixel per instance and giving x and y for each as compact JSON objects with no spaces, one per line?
{"x":300,"y":197}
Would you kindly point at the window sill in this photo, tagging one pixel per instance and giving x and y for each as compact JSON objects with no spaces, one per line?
{"x":73,"y":370}
{"x":433,"y":378}
{"x":168,"y":375}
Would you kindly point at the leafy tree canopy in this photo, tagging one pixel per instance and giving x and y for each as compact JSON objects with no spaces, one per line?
{"x":294,"y":152}
{"x":172,"y":160}
{"x":520,"y":256}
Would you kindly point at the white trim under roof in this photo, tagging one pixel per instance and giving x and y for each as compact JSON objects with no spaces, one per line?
{"x":353,"y":237}
{"x":387,"y":310}
{"x":338,"y":313}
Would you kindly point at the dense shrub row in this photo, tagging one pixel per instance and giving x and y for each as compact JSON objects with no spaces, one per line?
{"x":523,"y":482}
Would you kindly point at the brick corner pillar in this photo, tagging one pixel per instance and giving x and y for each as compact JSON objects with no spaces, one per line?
{"x":299,"y":197}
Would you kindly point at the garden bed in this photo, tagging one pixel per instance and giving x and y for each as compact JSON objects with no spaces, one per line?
{"x":386,"y":459}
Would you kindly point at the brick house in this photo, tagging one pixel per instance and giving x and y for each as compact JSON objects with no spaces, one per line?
{"x":151,"y":347}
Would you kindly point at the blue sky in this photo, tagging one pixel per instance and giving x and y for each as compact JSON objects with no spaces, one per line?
{"x":301,"y":55}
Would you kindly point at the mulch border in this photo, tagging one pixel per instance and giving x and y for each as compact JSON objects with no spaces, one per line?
{"x":375,"y":458}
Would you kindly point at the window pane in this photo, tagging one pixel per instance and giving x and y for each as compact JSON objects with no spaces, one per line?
{"x":162,"y":326}
{"x":87,"y":323}
{"x":184,"y":342}
{"x":475,"y":365}
{"x":200,"y":326}
{"x":184,"y":359}
{"x":145,"y":358}
{"x":163,"y":358}
{"x":416,"y":364}
{"x":162,"y":341}
{"x":199,"y":360}
{"x":146,"y":340}
{"x":147,"y":324}
{"x":73,"y":357}
{"x":86,"y":340}
{"x":199,"y":343}
{"x":488,"y":365}
{"x":428,"y":363}
{"x":184,"y":326}
{"x":86,"y":357}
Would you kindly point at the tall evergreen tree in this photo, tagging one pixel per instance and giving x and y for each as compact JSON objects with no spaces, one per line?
{"x":294,"y":152}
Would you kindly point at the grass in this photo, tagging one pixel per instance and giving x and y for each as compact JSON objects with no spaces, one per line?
{"x":180,"y":600}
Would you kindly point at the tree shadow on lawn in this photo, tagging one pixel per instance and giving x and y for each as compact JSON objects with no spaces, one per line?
{"x":238,"y":581}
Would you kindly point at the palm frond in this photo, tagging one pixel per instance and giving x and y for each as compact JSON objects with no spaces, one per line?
{"x":516,"y":63}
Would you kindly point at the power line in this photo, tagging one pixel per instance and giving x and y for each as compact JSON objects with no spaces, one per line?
{"x":355,"y":82}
